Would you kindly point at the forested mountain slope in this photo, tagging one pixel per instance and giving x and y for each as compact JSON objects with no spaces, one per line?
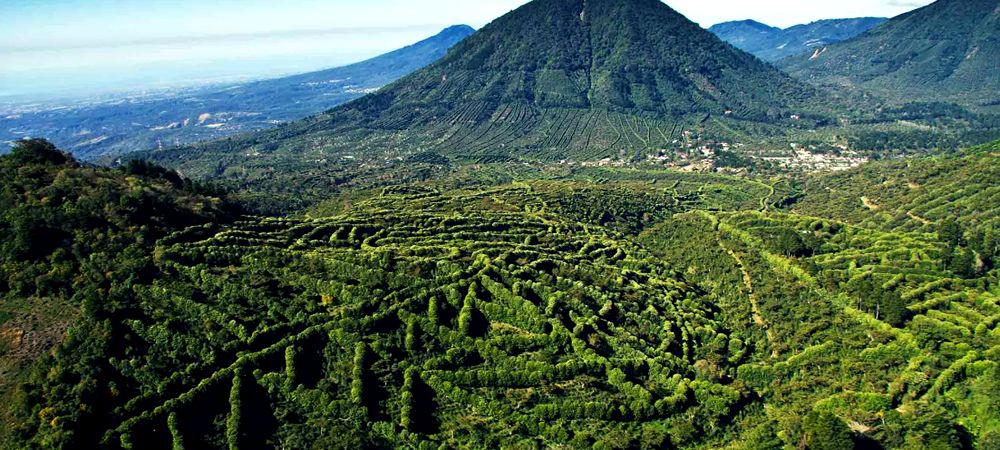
{"x":946,"y":51}
{"x":772,"y":44}
{"x":565,"y":82}
{"x":73,"y":240}
{"x":552,"y":80}
{"x":122,"y":126}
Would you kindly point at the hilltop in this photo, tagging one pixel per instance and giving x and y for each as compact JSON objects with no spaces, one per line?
{"x":772,"y":44}
{"x":72,"y":237}
{"x":946,"y":51}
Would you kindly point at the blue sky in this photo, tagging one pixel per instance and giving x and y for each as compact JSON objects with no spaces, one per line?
{"x":56,"y":46}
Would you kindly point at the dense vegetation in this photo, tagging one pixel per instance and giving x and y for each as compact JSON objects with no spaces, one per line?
{"x":872,"y":329}
{"x":73,"y":239}
{"x":604,"y":308}
{"x":946,"y":51}
{"x":487,"y":255}
{"x":909,"y":194}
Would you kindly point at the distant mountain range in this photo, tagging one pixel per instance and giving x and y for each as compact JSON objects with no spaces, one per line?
{"x":591,"y":82}
{"x":946,"y":51}
{"x":128,"y":125}
{"x":552,"y":80}
{"x":771,"y":43}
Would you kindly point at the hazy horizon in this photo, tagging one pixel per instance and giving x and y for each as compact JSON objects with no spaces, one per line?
{"x":81,"y":48}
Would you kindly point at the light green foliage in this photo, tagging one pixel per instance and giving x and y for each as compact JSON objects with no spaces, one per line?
{"x":604,"y":308}
{"x":234,"y":421}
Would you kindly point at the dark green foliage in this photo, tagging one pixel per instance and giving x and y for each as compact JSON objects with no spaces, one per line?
{"x":37,"y":151}
{"x":932,"y":428}
{"x":945,"y":51}
{"x":74,"y":241}
{"x":733,"y":160}
{"x":825,"y":431}
{"x":143,"y":168}
{"x":893,"y":309}
{"x":950,"y":232}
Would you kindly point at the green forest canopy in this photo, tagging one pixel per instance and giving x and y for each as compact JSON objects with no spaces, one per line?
{"x":611,"y":309}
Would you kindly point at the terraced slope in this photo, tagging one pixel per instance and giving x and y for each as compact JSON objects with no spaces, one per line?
{"x":916,"y":194}
{"x":871,"y":327}
{"x":456,"y":323}
{"x":508,"y":316}
{"x":947,"y":51}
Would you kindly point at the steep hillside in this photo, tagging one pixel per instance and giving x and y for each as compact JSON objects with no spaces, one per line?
{"x":948,"y":50}
{"x":635,"y":56}
{"x":121,"y":126}
{"x":72,"y":239}
{"x":901,"y":350}
{"x":772,"y":44}
{"x":553,"y":80}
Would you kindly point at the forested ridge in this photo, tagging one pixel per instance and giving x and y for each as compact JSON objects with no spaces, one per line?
{"x":74,"y":239}
{"x":945,"y":51}
{"x":604,"y":308}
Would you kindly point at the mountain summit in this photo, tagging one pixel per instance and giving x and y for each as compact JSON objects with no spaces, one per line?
{"x":580,"y":80}
{"x":633,"y":55}
{"x":949,"y":50}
